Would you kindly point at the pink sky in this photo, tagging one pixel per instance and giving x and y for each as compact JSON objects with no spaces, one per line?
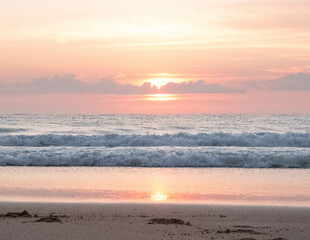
{"x":252,"y":56}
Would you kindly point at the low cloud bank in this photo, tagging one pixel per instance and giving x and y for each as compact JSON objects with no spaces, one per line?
{"x":292,"y":82}
{"x":197,"y":87}
{"x":70,"y":84}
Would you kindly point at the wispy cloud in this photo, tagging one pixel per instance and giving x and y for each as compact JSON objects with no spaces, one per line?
{"x":271,"y":14}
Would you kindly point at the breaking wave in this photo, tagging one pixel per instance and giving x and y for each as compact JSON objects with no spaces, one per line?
{"x":11,"y":130}
{"x":157,"y":157}
{"x":289,"y":139}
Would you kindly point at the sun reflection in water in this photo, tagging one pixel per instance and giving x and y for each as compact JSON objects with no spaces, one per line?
{"x":161,"y":97}
{"x":159,"y":197}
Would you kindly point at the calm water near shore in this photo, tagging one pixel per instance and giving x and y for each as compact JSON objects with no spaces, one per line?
{"x":279,"y":187}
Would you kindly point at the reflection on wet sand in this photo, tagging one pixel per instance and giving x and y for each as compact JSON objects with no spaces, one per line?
{"x":202,"y":185}
{"x":159,"y":197}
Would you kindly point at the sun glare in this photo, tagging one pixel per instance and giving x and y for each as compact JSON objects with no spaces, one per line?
{"x":161,"y":97}
{"x":159,"y":197}
{"x":160,"y":80}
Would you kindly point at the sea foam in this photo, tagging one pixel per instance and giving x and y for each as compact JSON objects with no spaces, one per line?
{"x":262,"y":139}
{"x":241,"y":157}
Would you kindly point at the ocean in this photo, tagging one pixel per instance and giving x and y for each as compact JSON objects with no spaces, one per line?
{"x":200,"y":141}
{"x":205,"y":159}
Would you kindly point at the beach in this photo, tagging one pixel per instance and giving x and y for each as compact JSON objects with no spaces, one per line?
{"x":153,"y":203}
{"x":154,"y":221}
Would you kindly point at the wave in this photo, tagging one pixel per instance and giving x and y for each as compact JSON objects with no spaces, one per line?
{"x":239,"y":157}
{"x":289,"y":139}
{"x":12,"y":130}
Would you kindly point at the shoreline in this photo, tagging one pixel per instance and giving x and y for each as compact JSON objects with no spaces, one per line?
{"x":136,"y":221}
{"x":154,"y":202}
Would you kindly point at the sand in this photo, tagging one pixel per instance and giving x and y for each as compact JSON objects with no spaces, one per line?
{"x":152,"y":221}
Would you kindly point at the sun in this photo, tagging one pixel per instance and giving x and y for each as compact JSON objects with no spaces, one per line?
{"x":161,"y":79}
{"x":158,"y":82}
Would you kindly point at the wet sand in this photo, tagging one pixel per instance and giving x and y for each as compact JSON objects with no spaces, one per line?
{"x":151,"y":221}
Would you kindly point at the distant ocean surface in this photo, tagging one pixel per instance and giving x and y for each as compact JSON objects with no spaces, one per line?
{"x":227,"y":141}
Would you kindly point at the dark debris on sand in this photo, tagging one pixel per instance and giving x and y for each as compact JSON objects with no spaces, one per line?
{"x":167,"y":221}
{"x":247,"y":239}
{"x":23,"y":214}
{"x":240,"y":230}
{"x":279,"y":238}
{"x":243,"y":226}
{"x":50,"y":218}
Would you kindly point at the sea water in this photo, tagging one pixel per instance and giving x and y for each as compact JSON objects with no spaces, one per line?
{"x":212,"y":159}
{"x":228,"y":141}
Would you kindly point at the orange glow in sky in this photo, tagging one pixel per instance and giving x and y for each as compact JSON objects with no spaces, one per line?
{"x":242,"y":47}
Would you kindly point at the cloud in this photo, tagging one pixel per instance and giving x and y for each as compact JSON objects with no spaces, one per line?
{"x":292,"y":82}
{"x":197,"y":87}
{"x":70,"y":84}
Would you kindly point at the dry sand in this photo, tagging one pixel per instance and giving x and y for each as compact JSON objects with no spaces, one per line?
{"x":152,"y":221}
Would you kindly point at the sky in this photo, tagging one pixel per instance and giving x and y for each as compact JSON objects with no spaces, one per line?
{"x":163,"y":56}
